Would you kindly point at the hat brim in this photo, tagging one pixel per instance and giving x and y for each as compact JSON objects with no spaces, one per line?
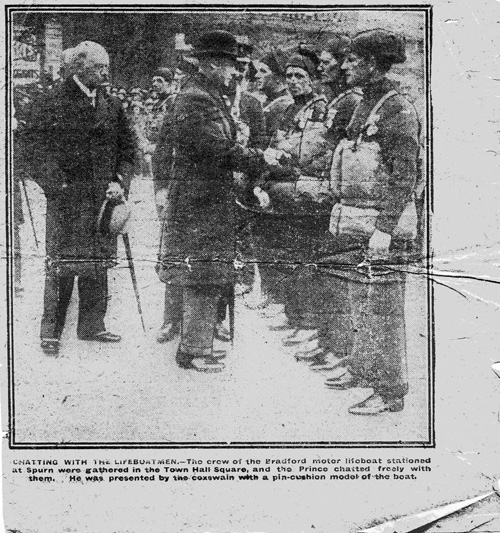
{"x":215,"y":54}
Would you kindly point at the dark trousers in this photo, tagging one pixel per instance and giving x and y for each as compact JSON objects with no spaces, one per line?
{"x":224,"y":302}
{"x":199,"y":315}
{"x":172,"y":312}
{"x":363,"y":316}
{"x":333,"y":312}
{"x":285,"y":246}
{"x":93,"y":302}
{"x":379,"y":357}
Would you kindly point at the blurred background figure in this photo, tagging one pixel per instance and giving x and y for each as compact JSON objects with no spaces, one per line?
{"x":65,"y":69}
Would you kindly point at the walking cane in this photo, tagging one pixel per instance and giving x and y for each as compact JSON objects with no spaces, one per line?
{"x":28,"y":205}
{"x":113,"y":219}
{"x":128,"y":252}
{"x":230,"y":304}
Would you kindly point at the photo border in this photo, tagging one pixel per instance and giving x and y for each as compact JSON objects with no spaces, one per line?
{"x":151,"y":8}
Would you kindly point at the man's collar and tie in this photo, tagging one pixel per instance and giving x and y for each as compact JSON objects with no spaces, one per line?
{"x":91,"y":94}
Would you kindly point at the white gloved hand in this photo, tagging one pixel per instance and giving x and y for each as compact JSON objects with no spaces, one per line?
{"x":161,"y":201}
{"x":115,"y":192}
{"x":263,"y":197}
{"x":272,"y":156}
{"x":379,"y":243}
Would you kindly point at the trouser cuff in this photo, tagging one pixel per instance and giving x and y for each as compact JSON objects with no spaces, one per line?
{"x":195,"y":351}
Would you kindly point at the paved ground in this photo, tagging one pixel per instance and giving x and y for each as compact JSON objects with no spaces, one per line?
{"x":134,"y":392}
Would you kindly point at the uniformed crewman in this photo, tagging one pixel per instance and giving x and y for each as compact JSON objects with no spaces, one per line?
{"x":271,"y":83}
{"x":342,"y":99}
{"x":332,"y":320}
{"x":286,"y":233}
{"x":374,"y":173}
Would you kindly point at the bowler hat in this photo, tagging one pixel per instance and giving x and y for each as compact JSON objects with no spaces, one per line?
{"x":217,"y":44}
{"x":383,"y":45}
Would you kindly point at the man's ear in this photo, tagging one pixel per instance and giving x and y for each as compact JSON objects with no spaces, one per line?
{"x":78,"y":63}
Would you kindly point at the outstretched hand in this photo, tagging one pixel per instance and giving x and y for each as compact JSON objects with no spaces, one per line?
{"x":115,"y":192}
{"x":379,"y":244}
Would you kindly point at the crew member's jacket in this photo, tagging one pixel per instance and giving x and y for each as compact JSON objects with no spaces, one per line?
{"x":301,"y":135}
{"x":374,"y":169}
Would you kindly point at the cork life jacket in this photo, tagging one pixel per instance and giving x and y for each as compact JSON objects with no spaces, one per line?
{"x":361,"y":180}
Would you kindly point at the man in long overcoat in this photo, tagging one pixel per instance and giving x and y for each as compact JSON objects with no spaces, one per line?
{"x":78,"y":143}
{"x":198,"y":222}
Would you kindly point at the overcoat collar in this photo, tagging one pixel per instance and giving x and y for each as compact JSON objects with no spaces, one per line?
{"x":84,"y":88}
{"x":210,"y":87}
{"x":79,"y":100}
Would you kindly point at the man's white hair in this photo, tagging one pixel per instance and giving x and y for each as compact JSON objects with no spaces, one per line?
{"x":87,"y":49}
{"x":67,"y":57}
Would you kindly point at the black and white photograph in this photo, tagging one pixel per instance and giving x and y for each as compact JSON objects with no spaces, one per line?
{"x":220,"y":226}
{"x":252,"y":267}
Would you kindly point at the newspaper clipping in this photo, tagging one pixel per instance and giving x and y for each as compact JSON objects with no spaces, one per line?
{"x":251,"y":267}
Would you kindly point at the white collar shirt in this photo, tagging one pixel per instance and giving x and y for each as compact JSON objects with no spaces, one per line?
{"x":86,"y":90}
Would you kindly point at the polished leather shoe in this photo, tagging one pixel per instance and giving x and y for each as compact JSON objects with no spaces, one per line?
{"x":221,"y":333}
{"x":183,"y":359}
{"x":375,"y":404}
{"x":310,"y":354}
{"x":208,"y":365}
{"x":299,"y":336}
{"x":168,"y":332}
{"x":282,"y":325}
{"x":50,"y":346}
{"x":102,"y":336}
{"x":219,"y":354}
{"x":343,"y":382}
{"x":328,"y":363}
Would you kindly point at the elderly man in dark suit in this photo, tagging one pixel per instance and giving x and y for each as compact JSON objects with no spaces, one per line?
{"x":198,"y":222}
{"x":79,"y":145}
